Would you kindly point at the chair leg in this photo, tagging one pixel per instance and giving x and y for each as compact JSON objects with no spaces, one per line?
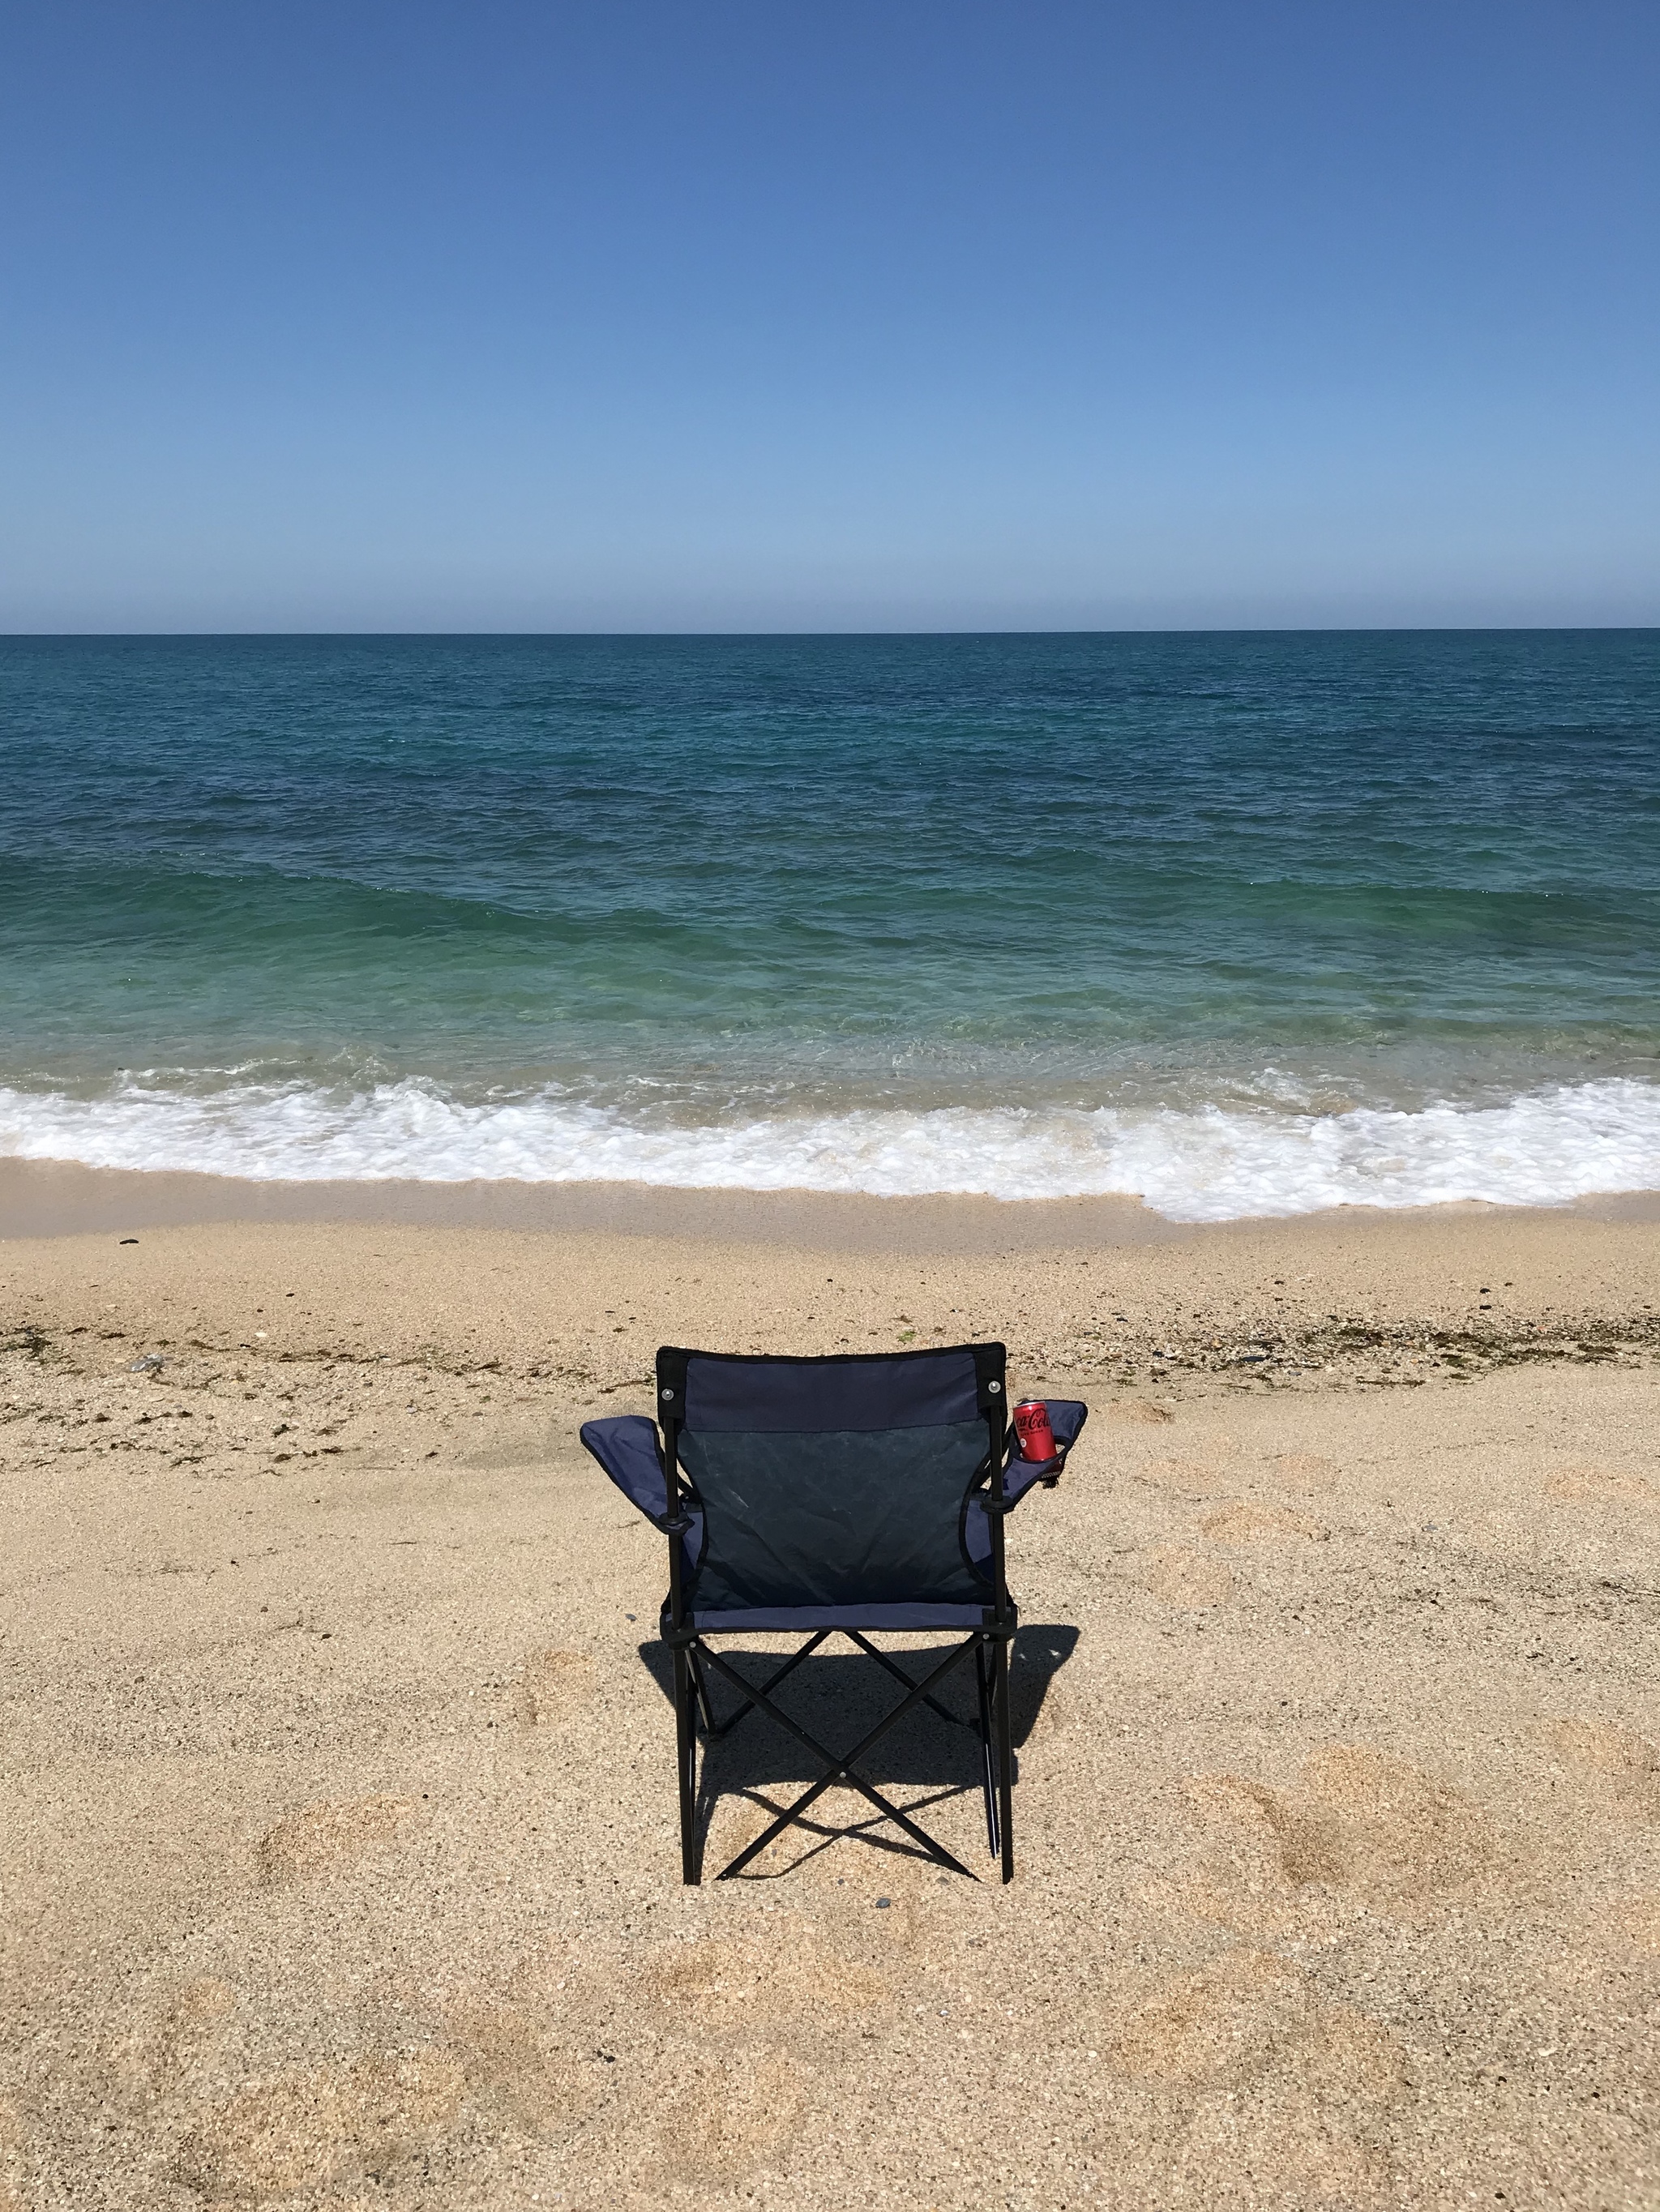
{"x":988,"y":1768}
{"x":1004,"y":1754}
{"x":705,"y":1704}
{"x":771,"y":1683}
{"x":685,"y":1713}
{"x":884,"y":1659}
{"x":845,"y":1768}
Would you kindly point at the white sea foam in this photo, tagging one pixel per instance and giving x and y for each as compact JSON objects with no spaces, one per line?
{"x":1212,"y":1165}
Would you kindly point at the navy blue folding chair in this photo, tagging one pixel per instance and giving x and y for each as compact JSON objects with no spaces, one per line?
{"x":845,"y":1496}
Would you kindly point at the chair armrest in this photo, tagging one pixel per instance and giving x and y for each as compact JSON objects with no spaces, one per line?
{"x":627,"y":1446}
{"x":1067,"y":1417}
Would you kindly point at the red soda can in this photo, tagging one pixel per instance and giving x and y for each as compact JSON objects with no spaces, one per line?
{"x":1031,"y":1425}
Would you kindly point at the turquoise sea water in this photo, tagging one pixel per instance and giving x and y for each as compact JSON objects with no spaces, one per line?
{"x":1241,"y":923}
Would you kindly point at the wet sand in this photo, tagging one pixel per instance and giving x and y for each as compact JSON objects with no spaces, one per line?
{"x":339,"y":1855}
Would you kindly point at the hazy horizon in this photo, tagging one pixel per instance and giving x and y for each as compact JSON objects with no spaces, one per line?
{"x":1006,"y":629}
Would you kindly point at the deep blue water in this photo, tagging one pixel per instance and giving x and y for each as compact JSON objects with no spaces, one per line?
{"x":683,"y":907}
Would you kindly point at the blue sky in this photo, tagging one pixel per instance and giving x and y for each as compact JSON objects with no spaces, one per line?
{"x":386,"y":315}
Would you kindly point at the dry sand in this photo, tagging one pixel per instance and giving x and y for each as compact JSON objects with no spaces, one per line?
{"x":338,"y":1853}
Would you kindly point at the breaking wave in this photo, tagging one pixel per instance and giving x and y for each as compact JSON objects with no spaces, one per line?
{"x":1190,"y":1165}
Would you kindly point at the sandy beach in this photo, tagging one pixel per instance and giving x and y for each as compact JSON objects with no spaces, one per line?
{"x":338,"y":1853}
{"x":807,"y":685}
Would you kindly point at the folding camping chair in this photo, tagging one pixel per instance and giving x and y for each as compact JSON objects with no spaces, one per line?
{"x":849,"y":1495}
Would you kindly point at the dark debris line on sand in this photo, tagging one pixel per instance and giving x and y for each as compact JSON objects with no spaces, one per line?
{"x":1343,"y":1351}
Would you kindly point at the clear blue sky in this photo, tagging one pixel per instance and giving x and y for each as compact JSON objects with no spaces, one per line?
{"x":732,"y":315}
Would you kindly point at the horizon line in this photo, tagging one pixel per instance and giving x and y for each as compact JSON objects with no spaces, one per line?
{"x":1163,"y":629}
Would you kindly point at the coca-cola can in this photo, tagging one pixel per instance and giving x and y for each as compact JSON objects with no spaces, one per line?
{"x":1031,"y":1425}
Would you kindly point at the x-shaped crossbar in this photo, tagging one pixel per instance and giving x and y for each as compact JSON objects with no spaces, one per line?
{"x":837,"y":1767}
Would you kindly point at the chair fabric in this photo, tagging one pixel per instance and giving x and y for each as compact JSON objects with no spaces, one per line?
{"x":754,"y":1394}
{"x":629,"y":1449}
{"x":786,"y":1620}
{"x":835,"y":1516}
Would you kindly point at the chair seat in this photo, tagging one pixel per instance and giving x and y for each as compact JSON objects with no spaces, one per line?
{"x":786,"y":1620}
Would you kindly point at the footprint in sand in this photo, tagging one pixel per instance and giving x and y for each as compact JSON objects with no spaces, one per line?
{"x":1186,"y":1477}
{"x":1244,"y":2015}
{"x":1641,"y":1924}
{"x":1141,"y":1412}
{"x":1187,"y":1579}
{"x":1268,"y":2077}
{"x":1304,"y":1471}
{"x":1244,"y":1523}
{"x":1602,"y":1485}
{"x":161,"y":2056}
{"x":307,"y":2127}
{"x":1623,"y":1765}
{"x":550,"y":1684}
{"x":515,"y":2065}
{"x":727,"y":2113}
{"x":326,"y":1838}
{"x":1359,"y":1821}
{"x":786,"y":1976}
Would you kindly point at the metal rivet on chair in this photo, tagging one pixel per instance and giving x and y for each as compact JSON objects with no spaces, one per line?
{"x":668,"y":1394}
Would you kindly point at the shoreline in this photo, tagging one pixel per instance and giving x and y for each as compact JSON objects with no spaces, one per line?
{"x":65,"y":1198}
{"x":578,"y":1290}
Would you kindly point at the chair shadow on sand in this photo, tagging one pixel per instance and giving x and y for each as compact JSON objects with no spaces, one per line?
{"x":837,"y":1696}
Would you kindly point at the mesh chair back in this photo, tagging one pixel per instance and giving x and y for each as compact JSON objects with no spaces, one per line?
{"x":834,"y":1482}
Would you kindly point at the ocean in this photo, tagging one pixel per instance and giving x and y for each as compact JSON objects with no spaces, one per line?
{"x":1256,"y":923}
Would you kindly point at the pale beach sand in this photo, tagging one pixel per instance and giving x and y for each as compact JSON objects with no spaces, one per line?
{"x":337,"y":1851}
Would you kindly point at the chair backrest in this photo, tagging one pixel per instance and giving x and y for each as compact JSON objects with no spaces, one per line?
{"x":838,"y":1481}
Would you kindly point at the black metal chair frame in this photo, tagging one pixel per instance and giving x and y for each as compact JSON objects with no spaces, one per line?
{"x":694,"y":1659}
{"x":691,"y":1699}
